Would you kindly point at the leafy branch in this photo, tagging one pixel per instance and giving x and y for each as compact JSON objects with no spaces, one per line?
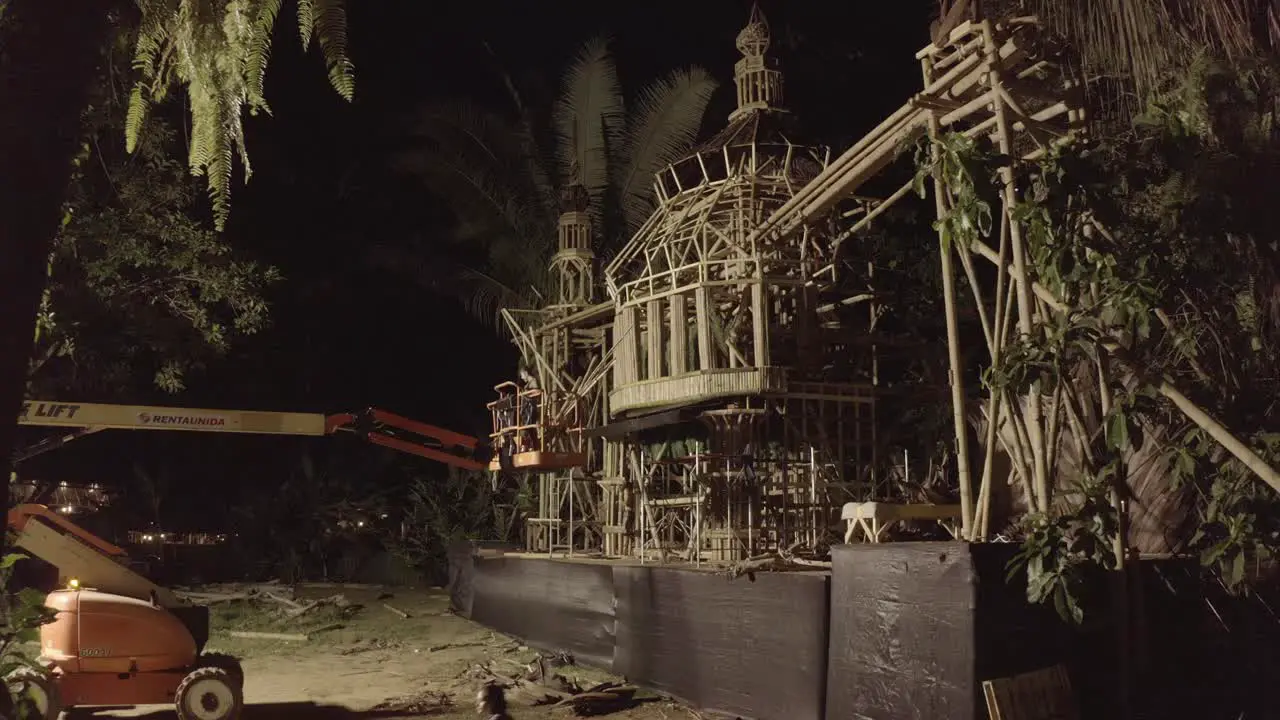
{"x":1098,"y":354}
{"x":23,"y":614}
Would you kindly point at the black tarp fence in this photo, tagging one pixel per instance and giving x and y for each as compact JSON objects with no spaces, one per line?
{"x":1205,"y":654}
{"x":897,"y":631}
{"x":551,"y":605}
{"x":752,"y":647}
{"x":917,"y":627}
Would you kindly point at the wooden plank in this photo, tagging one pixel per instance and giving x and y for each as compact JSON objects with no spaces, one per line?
{"x":253,"y":635}
{"x":1043,"y":694}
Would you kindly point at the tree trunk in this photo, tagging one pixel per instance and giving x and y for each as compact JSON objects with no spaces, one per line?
{"x":48,"y":54}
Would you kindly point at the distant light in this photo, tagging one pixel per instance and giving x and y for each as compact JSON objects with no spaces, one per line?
{"x":67,"y":509}
{"x":360,"y":524}
{"x":62,"y":484}
{"x":74,"y":584}
{"x":384,"y":516}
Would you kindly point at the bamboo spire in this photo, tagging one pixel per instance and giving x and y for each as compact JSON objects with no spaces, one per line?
{"x":574,"y":261}
{"x":756,"y":75}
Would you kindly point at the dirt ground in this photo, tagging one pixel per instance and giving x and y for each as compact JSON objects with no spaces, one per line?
{"x":365,"y":661}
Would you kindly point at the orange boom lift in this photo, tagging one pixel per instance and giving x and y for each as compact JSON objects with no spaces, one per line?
{"x":120,"y":639}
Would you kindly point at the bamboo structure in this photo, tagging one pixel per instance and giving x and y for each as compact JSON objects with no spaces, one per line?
{"x":732,"y":393}
{"x":726,"y":411}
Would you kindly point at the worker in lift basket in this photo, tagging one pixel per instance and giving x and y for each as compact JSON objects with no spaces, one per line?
{"x":529,"y":409}
{"x":507,"y":412}
{"x":492,"y":701}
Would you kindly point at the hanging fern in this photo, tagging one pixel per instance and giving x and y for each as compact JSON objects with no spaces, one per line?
{"x":219,"y":50}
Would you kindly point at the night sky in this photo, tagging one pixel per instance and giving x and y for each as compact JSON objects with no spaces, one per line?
{"x":348,"y":335}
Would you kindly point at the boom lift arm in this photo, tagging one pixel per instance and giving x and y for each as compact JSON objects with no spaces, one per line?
{"x":78,"y":553}
{"x":376,"y":426}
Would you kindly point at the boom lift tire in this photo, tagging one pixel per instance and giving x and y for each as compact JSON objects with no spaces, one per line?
{"x":230,"y":663}
{"x":209,"y":693}
{"x":38,"y":687}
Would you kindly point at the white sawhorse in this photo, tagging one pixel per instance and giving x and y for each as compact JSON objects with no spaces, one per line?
{"x":877,"y":518}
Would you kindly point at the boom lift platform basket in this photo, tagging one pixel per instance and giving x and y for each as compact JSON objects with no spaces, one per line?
{"x":536,"y":430}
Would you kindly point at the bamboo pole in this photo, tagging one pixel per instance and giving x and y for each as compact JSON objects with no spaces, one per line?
{"x":953,"y":341}
{"x":1220,"y":434}
{"x":1022,"y":461}
{"x":1003,"y":298}
{"x":1040,"y":472}
{"x":983,"y":511}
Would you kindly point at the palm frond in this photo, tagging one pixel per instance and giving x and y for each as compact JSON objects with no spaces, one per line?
{"x":1142,"y":40}
{"x":485,"y":297}
{"x":483,"y":165}
{"x":661,"y":127}
{"x":541,"y":167}
{"x":219,"y":50}
{"x":482,"y":294}
{"x":589,"y":119}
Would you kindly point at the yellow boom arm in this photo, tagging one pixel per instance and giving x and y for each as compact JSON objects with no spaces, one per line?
{"x":376,"y":426}
{"x":143,"y":417}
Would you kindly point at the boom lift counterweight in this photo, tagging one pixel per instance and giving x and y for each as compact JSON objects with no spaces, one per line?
{"x":118,"y":638}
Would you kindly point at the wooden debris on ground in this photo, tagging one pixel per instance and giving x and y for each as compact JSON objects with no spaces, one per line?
{"x":540,"y":686}
{"x":790,"y":559}
{"x":279,"y":597}
{"x":402,"y":614}
{"x":370,"y":645}
{"x":608,"y":697}
{"x":428,"y":703}
{"x":346,"y":607}
{"x":454,"y":646}
{"x":255,"y":635}
{"x":274,"y":591}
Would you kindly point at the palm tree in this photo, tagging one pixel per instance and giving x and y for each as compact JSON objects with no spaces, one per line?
{"x":1140,"y":44}
{"x":503,"y":175}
